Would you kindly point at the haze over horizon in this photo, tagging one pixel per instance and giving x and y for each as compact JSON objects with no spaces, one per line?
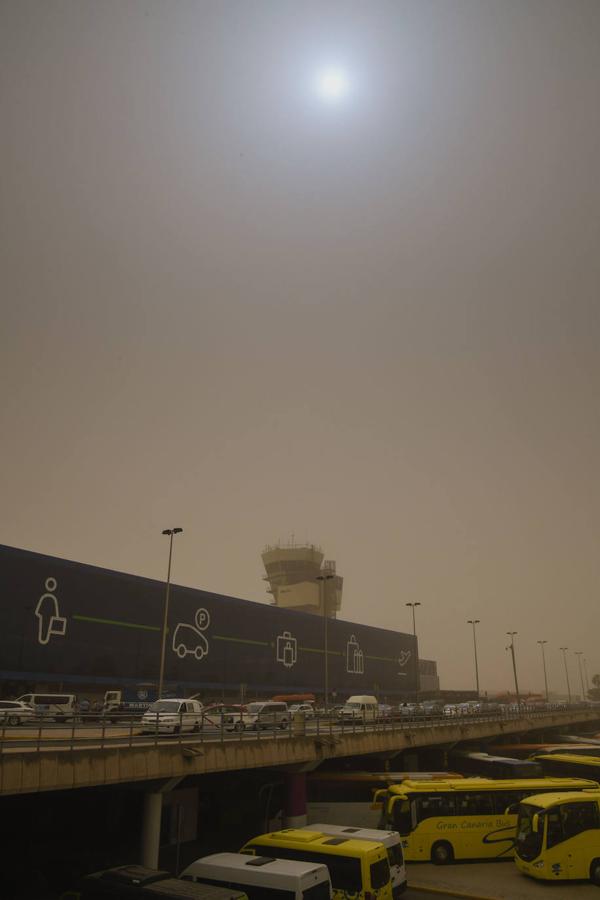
{"x":329,"y":270}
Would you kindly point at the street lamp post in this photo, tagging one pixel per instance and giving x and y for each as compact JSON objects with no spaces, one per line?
{"x":564,"y":653}
{"x":511,"y":647}
{"x":323,"y":579}
{"x":413,"y":607}
{"x":171,"y":532}
{"x":541,"y":643}
{"x":579,"y":654}
{"x":475,"y":622}
{"x":587,"y":681}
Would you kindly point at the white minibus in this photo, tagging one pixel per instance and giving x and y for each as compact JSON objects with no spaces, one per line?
{"x":360,"y":708}
{"x":391,"y":840}
{"x":263,"y":877}
{"x":60,"y":707}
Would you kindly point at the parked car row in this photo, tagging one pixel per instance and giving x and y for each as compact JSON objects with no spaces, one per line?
{"x":175,"y":714}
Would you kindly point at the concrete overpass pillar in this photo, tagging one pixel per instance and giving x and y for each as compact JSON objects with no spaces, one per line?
{"x":151,"y":829}
{"x":294,"y":805}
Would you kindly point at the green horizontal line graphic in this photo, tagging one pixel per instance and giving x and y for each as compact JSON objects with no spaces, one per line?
{"x":116,"y":622}
{"x":233,"y":640}
{"x":382,"y":658}
{"x":320,"y":650}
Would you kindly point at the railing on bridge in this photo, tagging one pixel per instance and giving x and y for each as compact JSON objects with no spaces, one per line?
{"x":124,"y":730}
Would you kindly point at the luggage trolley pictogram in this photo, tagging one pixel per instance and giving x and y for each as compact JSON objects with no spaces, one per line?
{"x":287,"y":649}
{"x":355,"y":661}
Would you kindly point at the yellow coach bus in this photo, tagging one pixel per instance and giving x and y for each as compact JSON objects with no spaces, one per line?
{"x":558,"y":836}
{"x":358,"y":869}
{"x":470,"y":818}
{"x":347,"y":798}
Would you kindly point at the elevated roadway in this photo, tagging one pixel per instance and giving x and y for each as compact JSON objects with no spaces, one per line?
{"x":57,"y":758}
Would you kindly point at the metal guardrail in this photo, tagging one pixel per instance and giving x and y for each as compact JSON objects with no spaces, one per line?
{"x":89,"y":731}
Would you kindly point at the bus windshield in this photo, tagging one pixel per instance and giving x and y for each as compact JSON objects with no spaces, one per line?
{"x":402,"y":816}
{"x":529,"y":842}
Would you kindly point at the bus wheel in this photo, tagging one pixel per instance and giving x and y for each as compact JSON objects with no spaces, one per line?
{"x":595,"y":872}
{"x":442,"y":853}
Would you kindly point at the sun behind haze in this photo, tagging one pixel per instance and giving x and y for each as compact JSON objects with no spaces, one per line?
{"x":329,"y":269}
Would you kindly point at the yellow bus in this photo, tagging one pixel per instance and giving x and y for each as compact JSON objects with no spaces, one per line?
{"x":569,"y":764}
{"x":347,"y":798}
{"x":358,"y":869}
{"x":470,"y":818}
{"x":558,"y":836}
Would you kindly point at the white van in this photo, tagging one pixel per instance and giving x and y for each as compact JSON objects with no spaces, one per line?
{"x":263,"y":876}
{"x":173,"y":715}
{"x":391,"y":840}
{"x":258,"y":715}
{"x":360,"y":708}
{"x":60,"y":707}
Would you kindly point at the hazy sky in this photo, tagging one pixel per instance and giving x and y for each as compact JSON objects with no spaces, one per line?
{"x":232,"y":306}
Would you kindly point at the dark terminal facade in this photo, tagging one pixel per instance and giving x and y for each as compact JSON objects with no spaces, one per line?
{"x":67,"y":625}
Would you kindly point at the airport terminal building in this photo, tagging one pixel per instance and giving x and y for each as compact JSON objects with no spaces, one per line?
{"x":68,"y":625}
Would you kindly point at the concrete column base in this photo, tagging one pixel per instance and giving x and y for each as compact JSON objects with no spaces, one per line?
{"x":294,"y":809}
{"x":295,"y":821}
{"x":151,"y":817}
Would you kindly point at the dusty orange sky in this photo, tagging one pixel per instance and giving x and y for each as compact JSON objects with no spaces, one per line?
{"x":229,"y":306}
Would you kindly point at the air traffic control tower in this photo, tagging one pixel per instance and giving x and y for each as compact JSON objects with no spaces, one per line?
{"x":294,"y":573}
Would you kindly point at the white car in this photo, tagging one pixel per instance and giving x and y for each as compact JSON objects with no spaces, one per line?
{"x":13,"y":712}
{"x":306,"y":709}
{"x":172,"y":716}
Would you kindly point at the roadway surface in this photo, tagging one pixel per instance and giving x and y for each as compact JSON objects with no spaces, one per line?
{"x":411,"y":894}
{"x":490,"y":881}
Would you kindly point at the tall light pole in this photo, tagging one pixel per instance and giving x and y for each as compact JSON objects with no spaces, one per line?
{"x":564,"y":653}
{"x":170,"y":532}
{"x":579,"y":654}
{"x":587,"y":680}
{"x":323,"y":579}
{"x":541,"y":643}
{"x":511,"y":647}
{"x":413,"y":607}
{"x":475,"y":622}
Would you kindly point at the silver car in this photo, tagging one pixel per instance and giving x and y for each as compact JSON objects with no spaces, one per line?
{"x":260,"y":715}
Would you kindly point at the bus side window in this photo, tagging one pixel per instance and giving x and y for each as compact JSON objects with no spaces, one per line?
{"x":578,"y":817}
{"x":474,"y":804}
{"x":430,"y":806}
{"x":554,"y":834}
{"x":502,"y":800}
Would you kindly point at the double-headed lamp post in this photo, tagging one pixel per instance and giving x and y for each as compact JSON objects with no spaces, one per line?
{"x":511,"y":647}
{"x":579,"y":654}
{"x":475,"y":622}
{"x":564,"y":653}
{"x":413,"y":607}
{"x":323,"y":579}
{"x":171,"y":532}
{"x":542,"y":643}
